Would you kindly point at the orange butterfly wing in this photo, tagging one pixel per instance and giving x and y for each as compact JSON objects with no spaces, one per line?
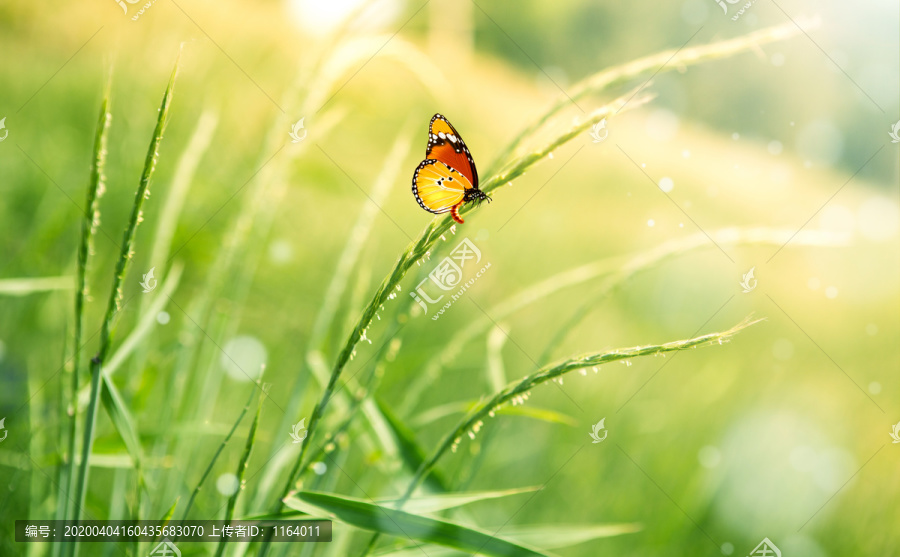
{"x":445,"y":145}
{"x":438,"y":187}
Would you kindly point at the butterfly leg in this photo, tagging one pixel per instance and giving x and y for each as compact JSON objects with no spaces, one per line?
{"x":454,"y":212}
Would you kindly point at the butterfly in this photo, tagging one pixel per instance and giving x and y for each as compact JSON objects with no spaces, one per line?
{"x":447,"y":178}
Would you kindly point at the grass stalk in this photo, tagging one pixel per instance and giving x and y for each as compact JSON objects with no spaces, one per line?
{"x":471,"y":423}
{"x":417,"y":250}
{"x":519,"y":388}
{"x":88,"y":228}
{"x":666,"y":60}
{"x":115,"y":296}
{"x":242,"y":469}
{"x":617,"y":270}
{"x":215,"y":457}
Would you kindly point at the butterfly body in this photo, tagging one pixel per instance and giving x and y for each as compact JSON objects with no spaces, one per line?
{"x":447,"y":178}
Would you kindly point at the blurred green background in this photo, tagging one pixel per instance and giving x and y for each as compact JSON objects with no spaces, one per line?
{"x":782,"y":433}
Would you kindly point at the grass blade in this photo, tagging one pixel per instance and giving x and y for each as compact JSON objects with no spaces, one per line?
{"x":416,"y":251}
{"x":665,"y":60}
{"x":88,"y":227}
{"x":462,"y":407}
{"x":242,"y":469}
{"x":145,"y":324}
{"x":391,"y":522}
{"x":122,"y":420}
{"x":115,"y":296}
{"x":26,"y":286}
{"x":559,"y":536}
{"x":618,"y":269}
{"x":444,"y":501}
{"x":410,"y":452}
{"x":215,"y":457}
{"x":339,"y":283}
{"x":547,"y":373}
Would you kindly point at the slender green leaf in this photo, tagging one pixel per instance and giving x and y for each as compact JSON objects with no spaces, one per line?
{"x":121,"y":419}
{"x":215,"y":457}
{"x":115,"y":296}
{"x":461,"y":407}
{"x":410,"y":452}
{"x":556,"y":537}
{"x":392,"y":522}
{"x":242,"y":469}
{"x":547,"y":537}
{"x":25,"y":286}
{"x":441,"y":502}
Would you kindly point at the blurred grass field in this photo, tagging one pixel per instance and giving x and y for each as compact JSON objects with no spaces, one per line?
{"x":783,"y":432}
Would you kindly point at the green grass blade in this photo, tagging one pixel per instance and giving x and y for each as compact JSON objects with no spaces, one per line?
{"x":560,"y":536}
{"x":212,"y":462}
{"x":122,"y":420}
{"x":666,"y":60}
{"x":461,"y":407}
{"x":143,"y":191}
{"x":145,"y":324}
{"x":88,"y":228}
{"x":615,"y":270}
{"x":242,"y":469}
{"x":182,"y":181}
{"x":349,"y":256}
{"x":545,"y":537}
{"x":410,"y":452}
{"x":514,"y":390}
{"x":444,"y":501}
{"x":26,"y":286}
{"x":167,"y":517}
{"x":115,"y":295}
{"x":391,"y":522}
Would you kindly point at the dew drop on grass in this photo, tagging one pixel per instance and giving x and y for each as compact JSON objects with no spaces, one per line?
{"x":471,"y":435}
{"x":491,"y":414}
{"x":550,"y":155}
{"x":398,"y":287}
{"x":582,"y":371}
{"x":595,"y":369}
